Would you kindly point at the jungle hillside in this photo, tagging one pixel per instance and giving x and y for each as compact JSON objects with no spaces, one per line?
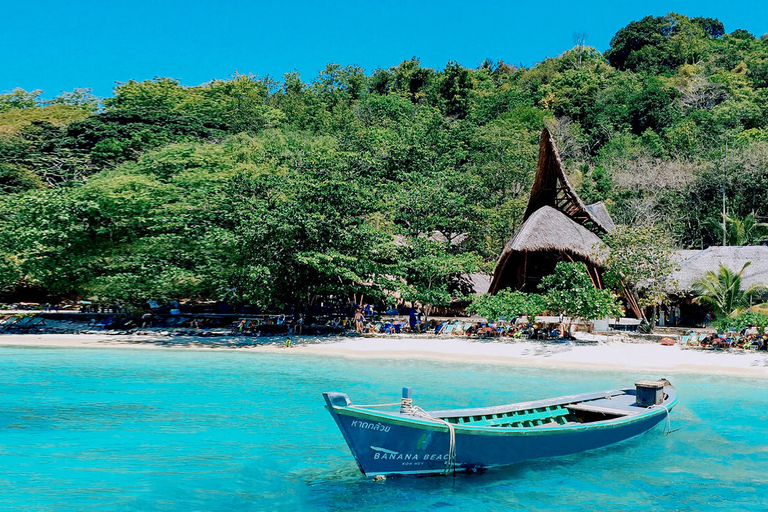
{"x":290,"y":190}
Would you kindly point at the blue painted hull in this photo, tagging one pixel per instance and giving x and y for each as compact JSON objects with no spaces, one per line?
{"x":386,"y":443}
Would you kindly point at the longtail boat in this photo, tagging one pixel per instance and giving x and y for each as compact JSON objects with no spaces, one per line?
{"x":412,"y":441}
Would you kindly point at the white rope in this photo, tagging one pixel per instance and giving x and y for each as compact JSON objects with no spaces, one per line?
{"x":407,"y":407}
{"x":668,"y":424}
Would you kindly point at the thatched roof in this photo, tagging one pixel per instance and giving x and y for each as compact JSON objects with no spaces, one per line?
{"x":480,"y":282}
{"x":600,"y":212}
{"x":694,"y":264}
{"x":547,"y":229}
{"x":551,"y":188}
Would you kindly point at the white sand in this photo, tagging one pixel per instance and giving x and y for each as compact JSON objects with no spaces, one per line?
{"x":601,"y":354}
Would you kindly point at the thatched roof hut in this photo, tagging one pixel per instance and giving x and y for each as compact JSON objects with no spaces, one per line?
{"x":548,"y":236}
{"x":557,"y":226}
{"x":550,"y":230}
{"x":694,"y":264}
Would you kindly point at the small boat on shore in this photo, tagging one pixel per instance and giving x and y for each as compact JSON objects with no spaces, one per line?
{"x":411,"y":441}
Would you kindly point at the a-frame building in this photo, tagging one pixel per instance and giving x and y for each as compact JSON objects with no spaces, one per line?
{"x":557,"y":226}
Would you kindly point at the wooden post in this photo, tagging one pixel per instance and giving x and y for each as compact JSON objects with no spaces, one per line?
{"x":591,"y":278}
{"x":525,"y":268}
{"x":597,"y":274}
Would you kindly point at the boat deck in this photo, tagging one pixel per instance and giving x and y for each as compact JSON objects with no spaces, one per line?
{"x":586,"y":409}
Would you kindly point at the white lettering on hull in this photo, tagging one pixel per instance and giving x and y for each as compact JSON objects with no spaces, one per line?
{"x":369,"y":425}
{"x":408,"y":459}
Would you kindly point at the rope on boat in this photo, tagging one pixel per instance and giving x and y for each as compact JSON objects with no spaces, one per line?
{"x":668,"y":425}
{"x":407,"y":407}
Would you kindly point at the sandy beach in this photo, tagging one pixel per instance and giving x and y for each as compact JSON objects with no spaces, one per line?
{"x":600,"y":353}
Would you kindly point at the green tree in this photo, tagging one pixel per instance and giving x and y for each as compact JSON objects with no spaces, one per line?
{"x":19,"y":98}
{"x":723,"y":292}
{"x":569,"y":289}
{"x":507,"y":305}
{"x":712,"y":26}
{"x":745,"y":231}
{"x":455,"y":88}
{"x":79,"y":98}
{"x":639,"y":266}
{"x":431,"y":274}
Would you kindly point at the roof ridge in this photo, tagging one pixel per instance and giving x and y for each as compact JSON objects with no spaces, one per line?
{"x":552,"y":188}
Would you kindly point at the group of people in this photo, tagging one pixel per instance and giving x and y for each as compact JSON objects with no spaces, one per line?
{"x":669,"y":317}
{"x":460,"y":328}
{"x":747,"y":339}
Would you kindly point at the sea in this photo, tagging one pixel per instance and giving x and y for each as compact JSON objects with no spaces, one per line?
{"x":227,"y":430}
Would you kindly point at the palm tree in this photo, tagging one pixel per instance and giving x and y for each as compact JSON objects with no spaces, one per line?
{"x":722,"y":290}
{"x":746,"y":231}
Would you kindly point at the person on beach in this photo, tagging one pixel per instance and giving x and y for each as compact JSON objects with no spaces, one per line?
{"x":299,"y":325}
{"x":359,"y":319}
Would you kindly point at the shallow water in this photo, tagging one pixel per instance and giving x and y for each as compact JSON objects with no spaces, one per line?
{"x":243,"y":430}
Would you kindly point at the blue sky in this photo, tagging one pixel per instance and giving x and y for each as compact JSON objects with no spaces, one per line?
{"x":58,"y":45}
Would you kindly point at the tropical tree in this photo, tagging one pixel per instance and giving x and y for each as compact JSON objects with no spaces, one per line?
{"x":430,"y":274}
{"x":746,"y":231}
{"x":570,"y":290}
{"x":639,"y":266}
{"x":723,"y":292}
{"x":508,"y":304}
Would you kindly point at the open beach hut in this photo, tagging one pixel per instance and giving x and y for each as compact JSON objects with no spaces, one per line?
{"x":557,"y":226}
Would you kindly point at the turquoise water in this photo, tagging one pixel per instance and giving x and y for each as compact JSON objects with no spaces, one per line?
{"x":186,"y":430}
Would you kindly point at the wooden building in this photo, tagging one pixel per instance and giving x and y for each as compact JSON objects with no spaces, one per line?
{"x":557,"y":226}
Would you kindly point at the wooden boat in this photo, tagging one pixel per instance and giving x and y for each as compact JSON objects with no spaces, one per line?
{"x":412,"y":441}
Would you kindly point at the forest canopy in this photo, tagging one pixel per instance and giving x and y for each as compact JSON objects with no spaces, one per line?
{"x":404,"y":178}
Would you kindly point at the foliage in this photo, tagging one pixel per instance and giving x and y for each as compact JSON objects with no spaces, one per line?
{"x":431,"y":274}
{"x":741,"y":321}
{"x":507,"y":305}
{"x":722,"y":291}
{"x":569,"y":289}
{"x":640,"y":264}
{"x":401,"y":178}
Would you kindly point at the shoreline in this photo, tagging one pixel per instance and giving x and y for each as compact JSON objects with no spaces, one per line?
{"x":598,"y":355}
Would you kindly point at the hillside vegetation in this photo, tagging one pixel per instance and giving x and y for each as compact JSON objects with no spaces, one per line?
{"x":291,"y":191}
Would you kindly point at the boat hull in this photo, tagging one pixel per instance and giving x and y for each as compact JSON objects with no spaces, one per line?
{"x":387,"y":444}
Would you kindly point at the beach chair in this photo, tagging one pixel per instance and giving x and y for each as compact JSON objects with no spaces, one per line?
{"x":8,"y":322}
{"x":104,"y":322}
{"x":21,"y":322}
{"x":448,"y":329}
{"x":35,"y":321}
